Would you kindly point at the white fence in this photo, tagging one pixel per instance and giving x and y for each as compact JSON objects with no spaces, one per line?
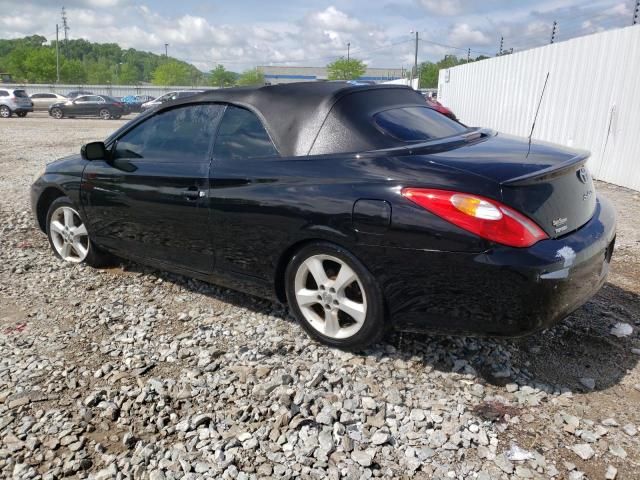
{"x":111,"y":90}
{"x":592,"y":98}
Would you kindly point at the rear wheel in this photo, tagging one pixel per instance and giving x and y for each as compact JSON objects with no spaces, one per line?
{"x":57,"y":113}
{"x":334,"y":296}
{"x":5,"y":112}
{"x":105,"y":114}
{"x":21,"y":114}
{"x":69,"y":237}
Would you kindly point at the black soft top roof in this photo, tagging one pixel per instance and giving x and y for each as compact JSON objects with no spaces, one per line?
{"x":316,"y":117}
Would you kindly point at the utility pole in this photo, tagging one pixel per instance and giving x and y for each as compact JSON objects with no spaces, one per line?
{"x":166,"y":46}
{"x":554,"y":30}
{"x":636,"y":13}
{"x":468,"y":54}
{"x":501,"y":45}
{"x":57,"y":56}
{"x":348,"y":48}
{"x":415,"y":61}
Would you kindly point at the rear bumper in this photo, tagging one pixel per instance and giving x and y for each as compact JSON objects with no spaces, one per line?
{"x":501,"y":292}
{"x":23,"y":109}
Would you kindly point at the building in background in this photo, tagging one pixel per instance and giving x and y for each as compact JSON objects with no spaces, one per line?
{"x":279,"y":74}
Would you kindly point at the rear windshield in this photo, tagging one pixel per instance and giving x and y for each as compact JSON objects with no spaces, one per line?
{"x":20,"y":93}
{"x":416,"y":124}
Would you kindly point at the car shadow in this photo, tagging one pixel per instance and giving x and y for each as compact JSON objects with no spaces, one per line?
{"x":580,"y":347}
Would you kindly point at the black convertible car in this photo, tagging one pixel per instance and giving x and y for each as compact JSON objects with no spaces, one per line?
{"x":357,"y":205}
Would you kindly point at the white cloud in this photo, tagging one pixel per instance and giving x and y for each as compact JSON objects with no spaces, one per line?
{"x":443,"y":7}
{"x":462,"y":35}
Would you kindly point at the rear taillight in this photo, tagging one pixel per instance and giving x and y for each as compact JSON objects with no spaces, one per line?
{"x":486,"y":218}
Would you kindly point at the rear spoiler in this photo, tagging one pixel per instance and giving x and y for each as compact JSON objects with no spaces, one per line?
{"x":547,"y":173}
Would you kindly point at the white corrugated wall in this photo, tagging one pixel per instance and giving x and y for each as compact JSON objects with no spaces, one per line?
{"x":592,"y":99}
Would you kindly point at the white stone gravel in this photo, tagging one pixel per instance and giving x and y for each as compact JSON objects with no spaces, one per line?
{"x":135,"y":373}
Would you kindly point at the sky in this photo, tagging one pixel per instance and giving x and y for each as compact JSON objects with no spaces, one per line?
{"x":242,"y":34}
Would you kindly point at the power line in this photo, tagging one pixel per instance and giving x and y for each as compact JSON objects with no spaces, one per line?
{"x":443,"y":45}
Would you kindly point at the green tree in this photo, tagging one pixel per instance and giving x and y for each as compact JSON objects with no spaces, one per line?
{"x":171,"y":73}
{"x":73,"y":71}
{"x":253,"y":77}
{"x":129,"y":74}
{"x":429,"y":71}
{"x":98,"y":73}
{"x":343,"y":69}
{"x":40,"y":65}
{"x":221,"y":77}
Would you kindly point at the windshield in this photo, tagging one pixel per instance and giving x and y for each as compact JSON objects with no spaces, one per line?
{"x":416,"y":124}
{"x":20,"y":93}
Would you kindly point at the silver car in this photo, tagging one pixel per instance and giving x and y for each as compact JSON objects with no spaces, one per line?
{"x":169,"y":96}
{"x":14,"y":100}
{"x":42,"y":101}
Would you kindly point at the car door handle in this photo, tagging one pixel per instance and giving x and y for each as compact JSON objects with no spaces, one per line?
{"x":192,"y":193}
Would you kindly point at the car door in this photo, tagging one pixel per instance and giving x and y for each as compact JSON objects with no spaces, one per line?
{"x":80,"y":105}
{"x":245,"y":224}
{"x":149,"y":200}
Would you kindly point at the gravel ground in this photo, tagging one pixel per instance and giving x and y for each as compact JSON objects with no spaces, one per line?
{"x":134,"y":372}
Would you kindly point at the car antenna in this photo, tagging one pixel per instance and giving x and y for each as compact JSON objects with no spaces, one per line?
{"x":533,"y":125}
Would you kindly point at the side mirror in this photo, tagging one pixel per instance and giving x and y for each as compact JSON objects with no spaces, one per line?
{"x":94,"y":151}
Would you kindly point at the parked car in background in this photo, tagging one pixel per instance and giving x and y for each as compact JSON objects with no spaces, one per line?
{"x":168,"y":97}
{"x":14,"y":100}
{"x":77,"y":93}
{"x":134,"y":102}
{"x":42,"y":101}
{"x":357,"y":204}
{"x":101,"y":106}
{"x":438,"y":107}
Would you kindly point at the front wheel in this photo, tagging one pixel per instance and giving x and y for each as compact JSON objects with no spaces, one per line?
{"x":105,"y":114}
{"x":5,"y":112}
{"x":69,"y":237}
{"x":335,"y":297}
{"x":57,"y":113}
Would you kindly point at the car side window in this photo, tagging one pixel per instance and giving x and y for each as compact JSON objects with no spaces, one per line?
{"x":181,"y":134}
{"x":4,"y":93}
{"x":241,"y":136}
{"x":81,"y":99}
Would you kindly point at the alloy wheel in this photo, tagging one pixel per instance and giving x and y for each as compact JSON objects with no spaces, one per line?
{"x":5,"y":112}
{"x":330,"y":296}
{"x":69,"y":235}
{"x":105,"y":114}
{"x":57,"y":113}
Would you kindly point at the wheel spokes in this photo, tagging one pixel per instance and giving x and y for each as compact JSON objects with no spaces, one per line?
{"x":80,"y":231}
{"x":355,"y":310}
{"x":80,"y":249}
{"x":316,"y":268}
{"x":331,"y":323}
{"x":68,"y":218}
{"x":346,"y":276}
{"x":56,"y":227}
{"x":307,"y":297}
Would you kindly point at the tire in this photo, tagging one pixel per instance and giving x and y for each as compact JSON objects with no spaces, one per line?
{"x":339,"y":307}
{"x":21,"y":114}
{"x":69,"y":238}
{"x":104,"y":114}
{"x":5,"y":112}
{"x":117,"y":117}
{"x":57,"y":113}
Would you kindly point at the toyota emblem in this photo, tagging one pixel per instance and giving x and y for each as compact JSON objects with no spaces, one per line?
{"x":583,"y":175}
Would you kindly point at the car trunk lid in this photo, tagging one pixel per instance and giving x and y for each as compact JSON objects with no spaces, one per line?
{"x":548,"y":183}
